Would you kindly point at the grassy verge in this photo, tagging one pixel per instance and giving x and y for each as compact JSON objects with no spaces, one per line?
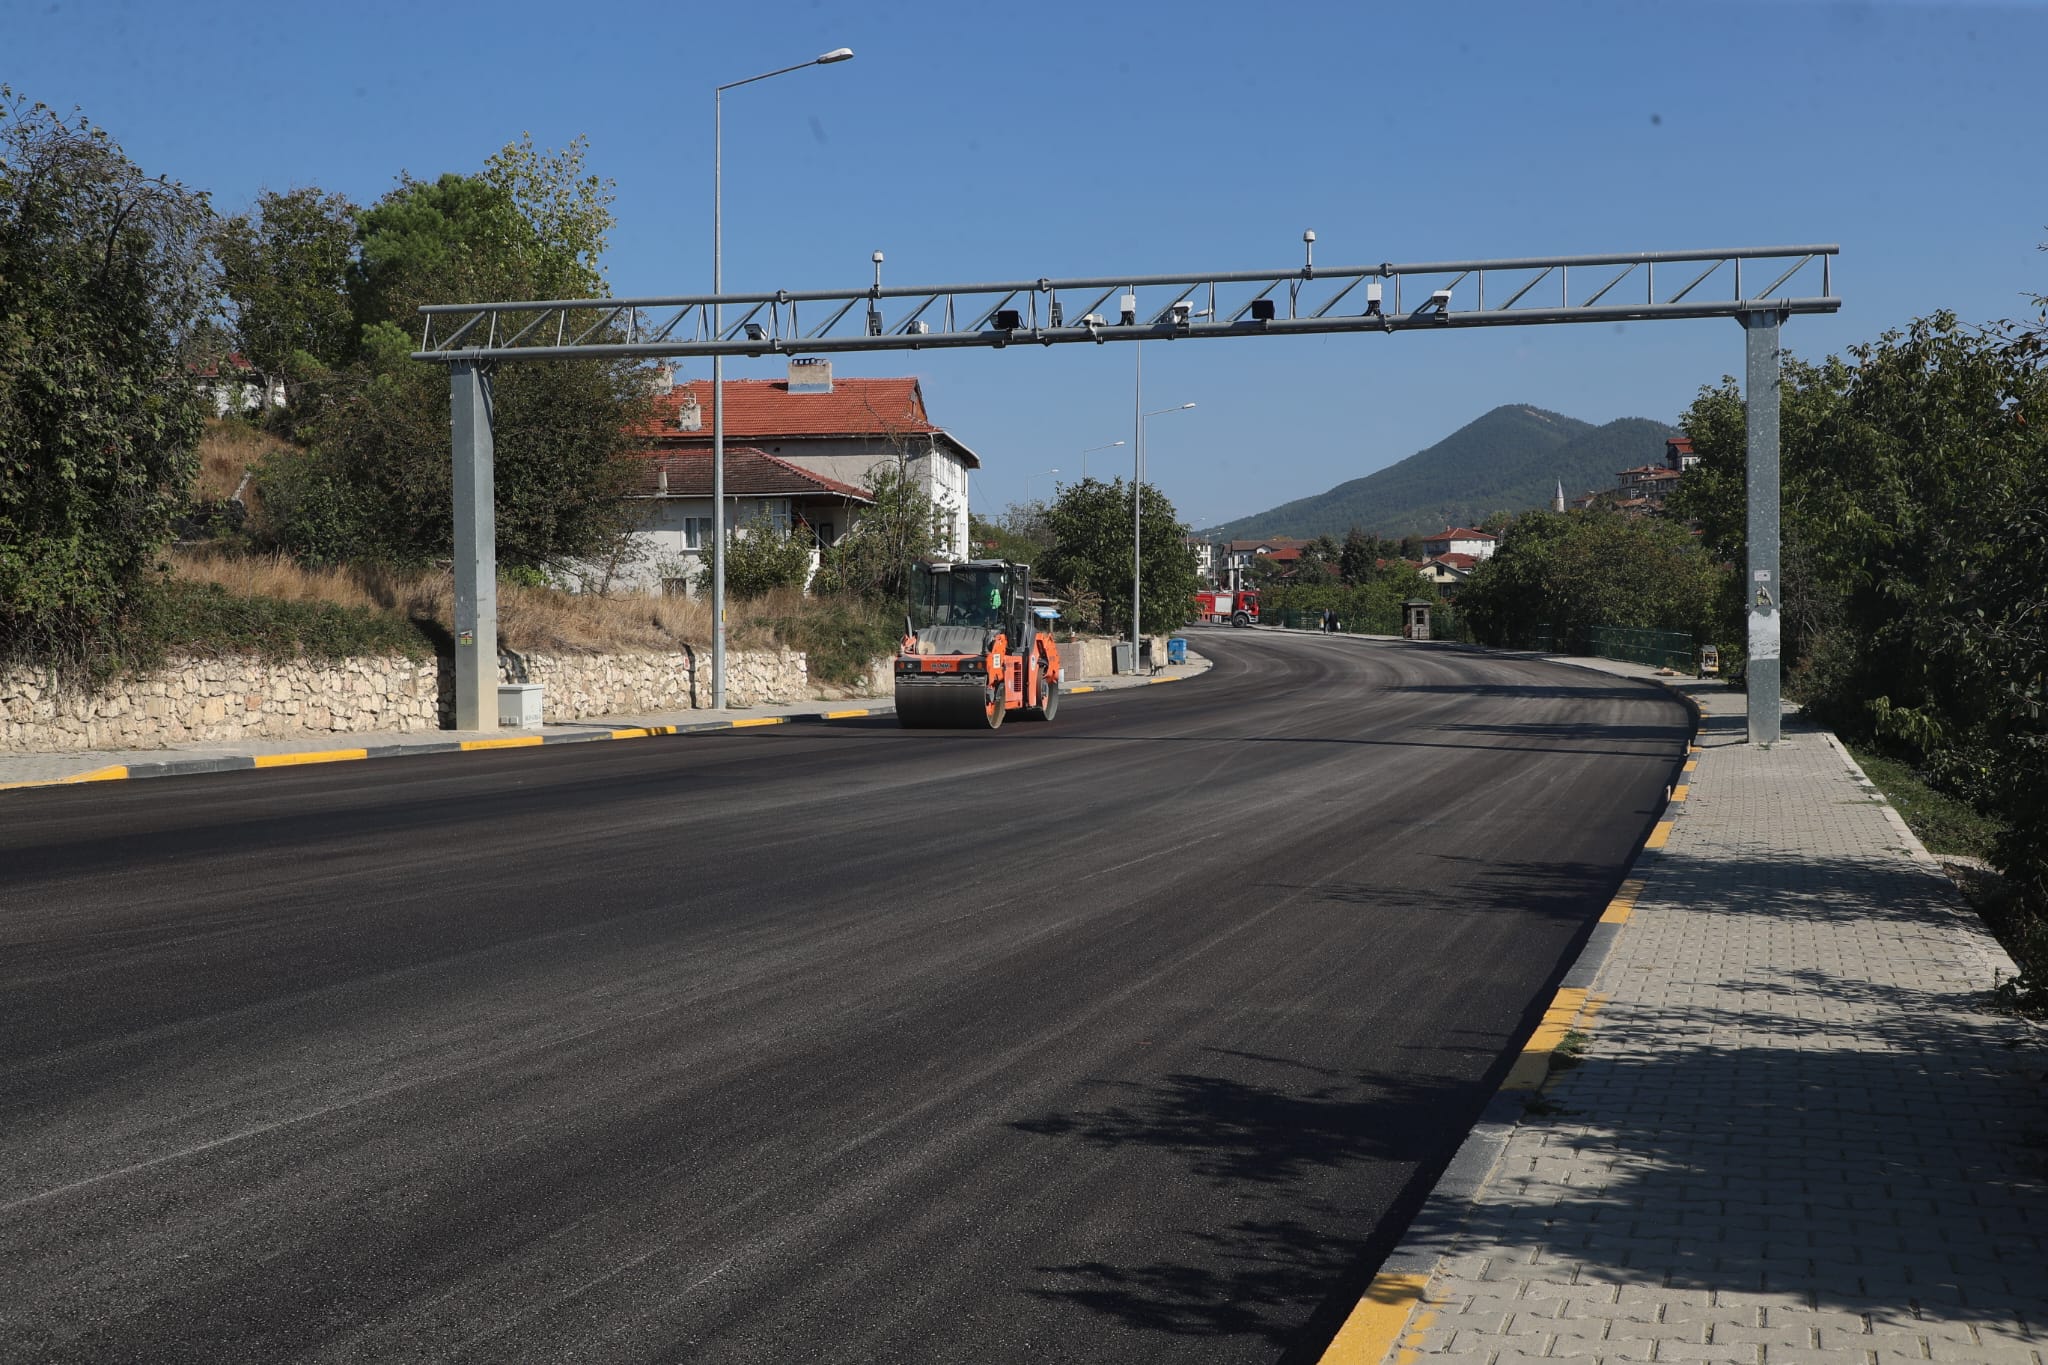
{"x":206,"y":618}
{"x":841,"y":637}
{"x":267,"y":605}
{"x":1944,"y":824}
{"x":1952,"y":828}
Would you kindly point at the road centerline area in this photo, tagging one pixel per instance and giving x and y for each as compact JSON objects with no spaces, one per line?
{"x":1136,"y":1036}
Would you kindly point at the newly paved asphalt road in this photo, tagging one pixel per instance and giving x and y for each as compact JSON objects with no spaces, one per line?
{"x":1132,"y":1037}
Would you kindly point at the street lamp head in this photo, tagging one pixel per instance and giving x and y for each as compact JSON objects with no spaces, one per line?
{"x":837,"y":54}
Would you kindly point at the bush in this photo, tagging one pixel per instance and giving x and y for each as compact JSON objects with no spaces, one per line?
{"x":842,"y":636}
{"x":102,"y":269}
{"x":761,"y":558}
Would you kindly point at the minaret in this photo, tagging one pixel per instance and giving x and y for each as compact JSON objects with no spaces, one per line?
{"x":1558,"y":506}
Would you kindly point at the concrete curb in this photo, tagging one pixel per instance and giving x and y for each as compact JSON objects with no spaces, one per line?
{"x":1386,"y":1313}
{"x":225,"y":763}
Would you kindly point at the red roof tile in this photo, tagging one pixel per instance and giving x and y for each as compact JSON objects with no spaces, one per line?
{"x":763,"y":409}
{"x":1461,"y":533}
{"x":749,"y":473}
{"x":1457,"y":559}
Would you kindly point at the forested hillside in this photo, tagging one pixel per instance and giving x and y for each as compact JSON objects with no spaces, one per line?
{"x":1511,"y":459}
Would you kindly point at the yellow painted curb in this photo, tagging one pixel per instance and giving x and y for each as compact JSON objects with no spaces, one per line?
{"x":1377,"y":1321}
{"x":1681,"y":791}
{"x":749,"y":721}
{"x":1077,"y":691}
{"x":1661,"y":835}
{"x":1532,"y":1068}
{"x":847,"y":715}
{"x":644,"y":732}
{"x":509,"y":742}
{"x":323,"y":756}
{"x":113,"y":774}
{"x":1690,"y":765}
{"x":1624,"y":903}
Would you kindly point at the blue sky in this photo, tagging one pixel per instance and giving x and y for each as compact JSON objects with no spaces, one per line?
{"x":975,"y":141}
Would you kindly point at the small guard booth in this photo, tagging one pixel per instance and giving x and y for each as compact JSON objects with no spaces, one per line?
{"x":1415,"y":618}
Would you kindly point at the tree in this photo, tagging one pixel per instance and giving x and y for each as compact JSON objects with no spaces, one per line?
{"x":568,"y":210}
{"x":285,"y":267}
{"x":375,"y":481}
{"x":1912,"y":475}
{"x":1021,"y":535}
{"x":1577,"y":570}
{"x":103,"y":274}
{"x":1318,"y":562}
{"x":1091,"y":527}
{"x":1359,"y":560}
{"x":899,"y":528}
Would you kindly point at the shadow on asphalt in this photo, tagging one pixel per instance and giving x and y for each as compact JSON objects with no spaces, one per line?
{"x":1272,"y":1132}
{"x":1261,"y":1133}
{"x":1788,"y":1128}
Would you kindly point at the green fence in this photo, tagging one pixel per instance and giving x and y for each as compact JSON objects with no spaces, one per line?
{"x":1657,"y":648}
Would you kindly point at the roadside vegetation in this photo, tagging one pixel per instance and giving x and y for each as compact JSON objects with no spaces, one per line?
{"x":1364,"y":581}
{"x":1965,"y":841}
{"x":1914,"y":596}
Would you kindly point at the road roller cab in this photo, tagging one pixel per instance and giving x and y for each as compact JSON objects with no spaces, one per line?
{"x":973,"y":652}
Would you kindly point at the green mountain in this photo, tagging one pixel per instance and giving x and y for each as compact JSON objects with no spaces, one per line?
{"x":1510,"y":460}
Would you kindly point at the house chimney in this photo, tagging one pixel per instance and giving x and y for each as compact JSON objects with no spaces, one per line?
{"x":810,"y":375}
{"x":663,"y":380}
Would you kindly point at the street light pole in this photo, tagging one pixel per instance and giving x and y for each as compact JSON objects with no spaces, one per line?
{"x":1027,"y":484}
{"x":1138,"y":501}
{"x":838,"y":54}
{"x":1090,"y":451}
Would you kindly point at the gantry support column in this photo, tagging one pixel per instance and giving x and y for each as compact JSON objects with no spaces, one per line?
{"x":476,"y":549}
{"x":1763,"y":585}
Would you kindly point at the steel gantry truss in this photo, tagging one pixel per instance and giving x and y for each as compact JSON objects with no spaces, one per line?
{"x":1757,"y":286}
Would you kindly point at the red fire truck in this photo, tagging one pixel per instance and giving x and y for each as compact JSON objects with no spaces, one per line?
{"x":1214,"y":606}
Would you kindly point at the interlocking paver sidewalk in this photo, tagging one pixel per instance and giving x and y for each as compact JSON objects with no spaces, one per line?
{"x":1796,"y":1133}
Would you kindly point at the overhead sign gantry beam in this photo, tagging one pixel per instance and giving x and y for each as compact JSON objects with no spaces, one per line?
{"x":1758,"y":287}
{"x":1309,"y":300}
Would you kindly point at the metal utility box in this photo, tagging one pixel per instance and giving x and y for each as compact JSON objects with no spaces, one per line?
{"x":1176,"y":650}
{"x":1120,"y":657}
{"x":519,"y":706}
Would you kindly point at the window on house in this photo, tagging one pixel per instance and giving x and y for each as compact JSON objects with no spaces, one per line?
{"x":696,"y":532}
{"x":825,"y":534}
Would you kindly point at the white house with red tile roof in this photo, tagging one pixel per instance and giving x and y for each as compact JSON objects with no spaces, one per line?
{"x":235,"y":385}
{"x":840,"y":430}
{"x":674,"y":491}
{"x":1460,"y":540}
{"x":1449,"y":569}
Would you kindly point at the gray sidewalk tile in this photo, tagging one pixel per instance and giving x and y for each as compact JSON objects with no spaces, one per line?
{"x":1811,"y":1139}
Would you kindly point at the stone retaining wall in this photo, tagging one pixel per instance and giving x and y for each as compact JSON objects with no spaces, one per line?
{"x":233,"y":698}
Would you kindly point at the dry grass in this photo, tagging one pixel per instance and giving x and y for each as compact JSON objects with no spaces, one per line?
{"x":228,"y":450}
{"x":537,"y":619}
